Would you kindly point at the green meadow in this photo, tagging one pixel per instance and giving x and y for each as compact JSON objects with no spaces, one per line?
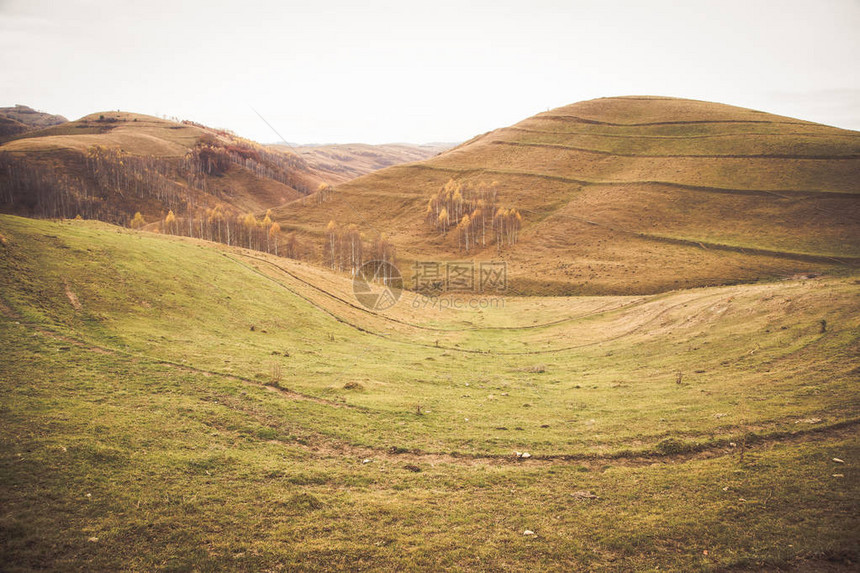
{"x":171,"y":404}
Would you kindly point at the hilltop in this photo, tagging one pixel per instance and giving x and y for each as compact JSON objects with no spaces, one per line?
{"x":21,"y":118}
{"x":624,"y":195}
{"x":110,"y":165}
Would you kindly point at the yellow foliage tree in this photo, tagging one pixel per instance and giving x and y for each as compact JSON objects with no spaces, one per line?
{"x":170,"y":222}
{"x":137,"y":222}
{"x":274,"y":235}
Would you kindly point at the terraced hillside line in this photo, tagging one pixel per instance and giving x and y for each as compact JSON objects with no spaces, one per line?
{"x":804,"y":257}
{"x":577,"y":119}
{"x":780,"y":193}
{"x":675,"y":155}
{"x":690,"y":136}
{"x":342,"y":320}
{"x":354,"y":306}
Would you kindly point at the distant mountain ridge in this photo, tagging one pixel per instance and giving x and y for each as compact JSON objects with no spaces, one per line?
{"x":21,"y":119}
{"x":338,"y":163}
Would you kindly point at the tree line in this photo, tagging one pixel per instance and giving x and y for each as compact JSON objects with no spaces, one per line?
{"x":109,"y":184}
{"x":224,"y":224}
{"x":39,"y":190}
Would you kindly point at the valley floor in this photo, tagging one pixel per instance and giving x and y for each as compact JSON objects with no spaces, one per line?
{"x":168,"y":404}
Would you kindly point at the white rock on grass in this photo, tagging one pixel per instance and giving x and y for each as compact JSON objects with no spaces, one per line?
{"x":528,"y":532}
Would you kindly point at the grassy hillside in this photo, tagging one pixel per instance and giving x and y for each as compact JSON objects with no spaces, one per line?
{"x":20,"y":118}
{"x":630,"y":195}
{"x":174,"y":404}
{"x":143,"y":164}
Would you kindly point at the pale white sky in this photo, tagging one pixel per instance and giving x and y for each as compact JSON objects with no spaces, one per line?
{"x":383,"y":71}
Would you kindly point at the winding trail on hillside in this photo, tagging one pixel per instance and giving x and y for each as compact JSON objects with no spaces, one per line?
{"x":578,"y":119}
{"x":681,"y":137}
{"x":677,"y":155}
{"x":780,"y":193}
{"x":633,"y":329}
{"x":602,"y":310}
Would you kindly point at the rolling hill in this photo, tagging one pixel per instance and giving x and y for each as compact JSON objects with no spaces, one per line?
{"x":624,"y":195}
{"x":21,"y":118}
{"x":110,"y":165}
{"x":174,"y":404}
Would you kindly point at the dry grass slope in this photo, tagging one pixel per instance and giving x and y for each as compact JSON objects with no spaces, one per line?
{"x":632,"y":195}
{"x":64,"y":149}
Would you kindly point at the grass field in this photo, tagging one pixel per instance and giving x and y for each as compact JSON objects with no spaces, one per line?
{"x":170,"y":404}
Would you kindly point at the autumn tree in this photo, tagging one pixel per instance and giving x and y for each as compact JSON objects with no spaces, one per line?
{"x":332,"y":240}
{"x":443,"y":220}
{"x":267,"y":225}
{"x":464,"y":230}
{"x":292,"y":247}
{"x":353,"y":240}
{"x":137,"y":221}
{"x":274,"y":236}
{"x":324,"y":191}
{"x":170,"y":223}
{"x":249,"y":222}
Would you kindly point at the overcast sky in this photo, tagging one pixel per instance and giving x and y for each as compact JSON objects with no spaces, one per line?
{"x":378,"y":71}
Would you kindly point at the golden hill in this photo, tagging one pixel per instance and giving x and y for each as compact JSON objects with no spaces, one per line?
{"x":21,"y":118}
{"x":626,"y":195}
{"x":110,"y":165}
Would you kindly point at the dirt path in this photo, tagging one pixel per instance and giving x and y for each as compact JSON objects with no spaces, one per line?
{"x":632,"y":330}
{"x":675,"y":155}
